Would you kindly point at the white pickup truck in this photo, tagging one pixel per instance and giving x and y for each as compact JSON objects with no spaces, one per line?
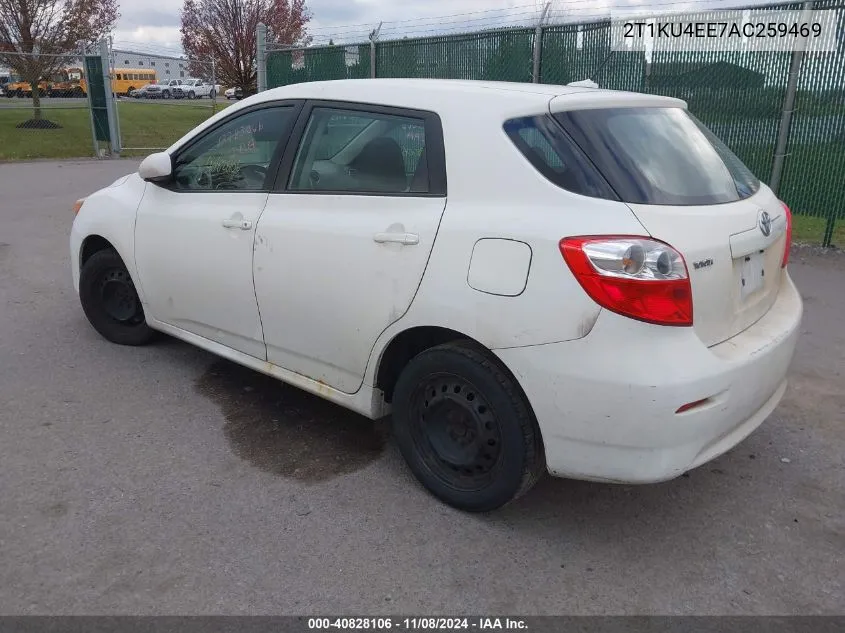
{"x":195,"y":89}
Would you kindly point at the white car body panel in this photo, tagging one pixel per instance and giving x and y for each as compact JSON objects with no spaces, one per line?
{"x":322,"y":321}
{"x":604,"y":388}
{"x":196,"y":273}
{"x":110,"y":214}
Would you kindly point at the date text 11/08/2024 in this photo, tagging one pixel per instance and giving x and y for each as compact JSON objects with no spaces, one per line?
{"x":418,"y":623}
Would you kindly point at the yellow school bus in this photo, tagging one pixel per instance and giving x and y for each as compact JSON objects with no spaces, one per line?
{"x":124,"y":80}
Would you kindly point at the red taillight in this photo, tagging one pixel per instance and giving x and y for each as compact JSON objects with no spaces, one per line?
{"x":788,"y":244}
{"x":637,"y":277}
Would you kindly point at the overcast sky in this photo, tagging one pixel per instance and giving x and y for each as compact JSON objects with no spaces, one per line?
{"x":152,"y":24}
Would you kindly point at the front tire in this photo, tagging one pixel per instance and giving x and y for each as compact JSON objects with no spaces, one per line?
{"x":110,"y":301}
{"x":466,"y":429}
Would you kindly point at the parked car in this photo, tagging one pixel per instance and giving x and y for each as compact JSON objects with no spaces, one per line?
{"x":558,"y":278}
{"x":234,"y":93}
{"x":170,"y":89}
{"x":147,"y":91}
{"x":196,"y":89}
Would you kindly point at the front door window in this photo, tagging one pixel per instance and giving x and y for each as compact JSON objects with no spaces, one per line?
{"x":237,"y":155}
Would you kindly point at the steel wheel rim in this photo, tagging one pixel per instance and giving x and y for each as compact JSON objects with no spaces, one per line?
{"x":455,"y":432}
{"x":118,"y":298}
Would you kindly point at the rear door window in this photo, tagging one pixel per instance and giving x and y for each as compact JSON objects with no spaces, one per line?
{"x":362,"y":152}
{"x":661,"y":156}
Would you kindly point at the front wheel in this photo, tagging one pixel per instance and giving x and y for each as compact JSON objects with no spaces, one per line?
{"x":466,"y":429}
{"x":110,"y":301}
{"x":191,"y":94}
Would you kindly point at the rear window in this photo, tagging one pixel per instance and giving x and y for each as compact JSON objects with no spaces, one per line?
{"x":659,"y":156}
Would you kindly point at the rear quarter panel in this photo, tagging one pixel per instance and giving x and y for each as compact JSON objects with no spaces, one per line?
{"x":494,"y":192}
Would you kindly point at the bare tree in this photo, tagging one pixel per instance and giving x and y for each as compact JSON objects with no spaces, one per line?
{"x":38,"y":30}
{"x":224,"y":30}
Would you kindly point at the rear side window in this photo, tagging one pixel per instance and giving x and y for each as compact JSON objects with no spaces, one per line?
{"x":661,"y":156}
{"x":362,"y":152}
{"x":551,"y":152}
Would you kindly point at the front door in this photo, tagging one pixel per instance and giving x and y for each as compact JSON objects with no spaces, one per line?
{"x":194,"y":236}
{"x":343,"y":243}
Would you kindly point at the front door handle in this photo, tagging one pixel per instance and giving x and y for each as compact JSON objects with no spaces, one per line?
{"x":408,"y":239}
{"x":243,"y":225}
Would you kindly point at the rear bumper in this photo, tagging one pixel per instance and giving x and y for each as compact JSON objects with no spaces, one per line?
{"x":606,"y":404}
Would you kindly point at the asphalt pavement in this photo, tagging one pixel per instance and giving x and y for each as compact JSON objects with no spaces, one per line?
{"x":161,"y":480}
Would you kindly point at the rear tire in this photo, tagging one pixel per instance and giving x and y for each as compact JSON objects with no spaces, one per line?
{"x":191,"y":94}
{"x":212,"y":94}
{"x":465,"y":428}
{"x":110,"y":301}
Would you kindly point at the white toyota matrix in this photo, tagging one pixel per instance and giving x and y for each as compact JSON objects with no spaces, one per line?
{"x":528,"y":278}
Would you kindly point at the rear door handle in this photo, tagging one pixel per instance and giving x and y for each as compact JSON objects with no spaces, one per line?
{"x":243,"y":225}
{"x":408,"y":239}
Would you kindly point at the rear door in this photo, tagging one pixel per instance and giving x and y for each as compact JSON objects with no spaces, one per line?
{"x":689,"y":190}
{"x":344,"y":239}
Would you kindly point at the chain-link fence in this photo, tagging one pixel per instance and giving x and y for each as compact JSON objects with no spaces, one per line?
{"x":741,"y":95}
{"x":291,"y":66}
{"x":160,"y":98}
{"x":101,"y":100}
{"x":43,"y":107}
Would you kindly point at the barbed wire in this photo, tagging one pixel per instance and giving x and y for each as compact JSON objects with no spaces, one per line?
{"x":559,"y":15}
{"x":147,"y":49}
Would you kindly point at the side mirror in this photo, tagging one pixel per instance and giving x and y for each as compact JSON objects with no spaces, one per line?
{"x":156,"y":167}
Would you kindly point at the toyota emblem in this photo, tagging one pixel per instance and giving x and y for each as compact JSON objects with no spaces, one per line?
{"x":765,"y":223}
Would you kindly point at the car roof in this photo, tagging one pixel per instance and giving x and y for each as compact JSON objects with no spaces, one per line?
{"x":443,"y":94}
{"x":450,"y":98}
{"x":419,"y":93}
